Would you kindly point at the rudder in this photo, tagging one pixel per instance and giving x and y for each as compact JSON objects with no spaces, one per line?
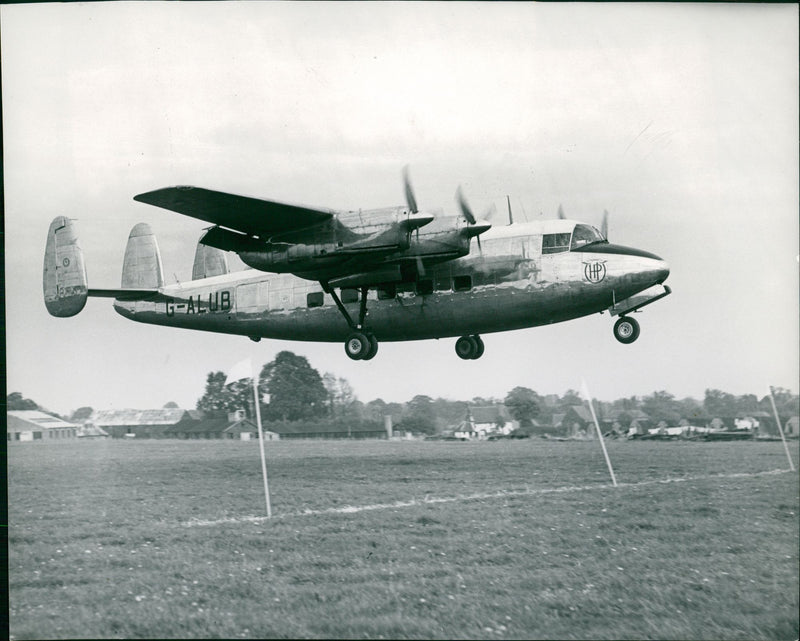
{"x":64,"y":281}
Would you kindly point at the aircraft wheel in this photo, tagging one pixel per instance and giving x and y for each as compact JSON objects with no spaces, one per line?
{"x":467,"y":347}
{"x":626,"y":330}
{"x":481,"y":347}
{"x":373,"y":347}
{"x":357,"y":346}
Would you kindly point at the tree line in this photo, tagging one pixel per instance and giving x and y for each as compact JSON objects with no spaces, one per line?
{"x":291,"y":390}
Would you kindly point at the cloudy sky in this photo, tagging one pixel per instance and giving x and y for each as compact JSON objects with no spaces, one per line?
{"x":681,"y":120}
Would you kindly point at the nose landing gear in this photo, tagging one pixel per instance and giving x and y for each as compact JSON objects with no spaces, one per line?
{"x":626,"y":330}
{"x":469,"y":347}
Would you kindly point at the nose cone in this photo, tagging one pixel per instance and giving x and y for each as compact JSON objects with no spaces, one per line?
{"x":662,"y":271}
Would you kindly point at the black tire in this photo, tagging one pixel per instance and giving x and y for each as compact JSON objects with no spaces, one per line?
{"x":373,"y":347}
{"x":357,"y":346}
{"x":626,"y":330}
{"x":480,"y":347}
{"x":466,"y":347}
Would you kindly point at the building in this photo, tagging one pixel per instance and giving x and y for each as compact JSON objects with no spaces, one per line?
{"x":327,"y":430}
{"x":235,"y":426}
{"x":130,"y":423}
{"x":484,"y":421}
{"x":33,"y":425}
{"x":492,"y":419}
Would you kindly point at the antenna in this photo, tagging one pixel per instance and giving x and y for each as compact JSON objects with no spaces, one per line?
{"x":510,"y":215}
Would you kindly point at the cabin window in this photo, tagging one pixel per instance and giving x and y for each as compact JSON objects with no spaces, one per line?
{"x":315,"y":299}
{"x":584,"y":235}
{"x":406,"y":288}
{"x":387,"y":291}
{"x":555,"y":243}
{"x":462,"y":283}
{"x":442,"y":283}
{"x":349,"y":295}
{"x":425,"y":287}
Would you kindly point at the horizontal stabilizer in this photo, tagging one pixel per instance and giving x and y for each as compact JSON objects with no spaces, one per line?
{"x":128,"y":294}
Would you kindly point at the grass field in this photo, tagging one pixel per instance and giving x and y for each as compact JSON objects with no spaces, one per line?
{"x":507,"y":539}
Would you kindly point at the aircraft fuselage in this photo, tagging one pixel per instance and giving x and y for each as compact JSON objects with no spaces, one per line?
{"x":520,"y":279}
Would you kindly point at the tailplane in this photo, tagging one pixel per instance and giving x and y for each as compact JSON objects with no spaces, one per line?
{"x":64,"y":277}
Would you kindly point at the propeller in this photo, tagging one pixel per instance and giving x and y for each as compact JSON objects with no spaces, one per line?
{"x":561,"y":215}
{"x":510,"y":216}
{"x":412,"y":202}
{"x":604,"y":224}
{"x":473,"y":229}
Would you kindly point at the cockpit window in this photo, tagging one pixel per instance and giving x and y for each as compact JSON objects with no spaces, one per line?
{"x":554,"y":243}
{"x":584,"y":235}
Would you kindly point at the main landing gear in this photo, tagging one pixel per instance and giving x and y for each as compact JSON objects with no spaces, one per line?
{"x":469,"y":347}
{"x":626,"y":330}
{"x":361,"y":344}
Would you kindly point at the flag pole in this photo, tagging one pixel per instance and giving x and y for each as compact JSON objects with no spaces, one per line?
{"x":780,"y":429}
{"x":261,"y":446}
{"x":585,"y":390}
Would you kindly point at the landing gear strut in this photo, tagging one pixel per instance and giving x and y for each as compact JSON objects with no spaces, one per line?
{"x":626,"y":330}
{"x":361,"y":344}
{"x":469,"y":347}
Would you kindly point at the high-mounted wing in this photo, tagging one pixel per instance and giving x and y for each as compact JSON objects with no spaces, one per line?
{"x":252,"y":216}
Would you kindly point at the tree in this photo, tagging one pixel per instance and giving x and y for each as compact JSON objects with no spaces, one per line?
{"x":15,"y":401}
{"x":787,"y":404}
{"x":218,"y":399}
{"x":419,"y":416}
{"x":342,"y":400}
{"x":662,"y":406}
{"x":296,"y":391}
{"x":171,"y":405}
{"x":570,"y":398}
{"x":523,"y":404}
{"x":718,"y":403}
{"x":375,"y":410}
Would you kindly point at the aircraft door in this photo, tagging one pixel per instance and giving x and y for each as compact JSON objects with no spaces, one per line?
{"x":252,"y":298}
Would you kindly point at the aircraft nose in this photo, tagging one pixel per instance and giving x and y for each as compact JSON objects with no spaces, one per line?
{"x":662,"y":270}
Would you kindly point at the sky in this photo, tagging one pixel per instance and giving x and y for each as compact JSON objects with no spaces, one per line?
{"x":680,"y":119}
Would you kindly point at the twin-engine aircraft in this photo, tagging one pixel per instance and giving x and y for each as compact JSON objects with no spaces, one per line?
{"x":392,"y":274}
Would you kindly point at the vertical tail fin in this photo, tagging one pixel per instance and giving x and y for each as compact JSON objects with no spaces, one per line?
{"x":141,"y":267}
{"x":64,"y":276}
{"x":208,"y":262}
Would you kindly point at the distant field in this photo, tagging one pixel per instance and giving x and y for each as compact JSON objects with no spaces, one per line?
{"x":507,"y":539}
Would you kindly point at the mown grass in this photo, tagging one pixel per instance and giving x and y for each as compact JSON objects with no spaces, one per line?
{"x":105,"y":541}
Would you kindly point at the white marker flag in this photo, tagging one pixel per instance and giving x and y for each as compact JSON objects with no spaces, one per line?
{"x":586,"y":395}
{"x":242,"y":369}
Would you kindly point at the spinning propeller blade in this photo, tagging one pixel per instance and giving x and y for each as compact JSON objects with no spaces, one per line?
{"x":412,"y":202}
{"x":561,"y":213}
{"x":465,"y":210}
{"x":604,"y":224}
{"x":473,"y":229}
